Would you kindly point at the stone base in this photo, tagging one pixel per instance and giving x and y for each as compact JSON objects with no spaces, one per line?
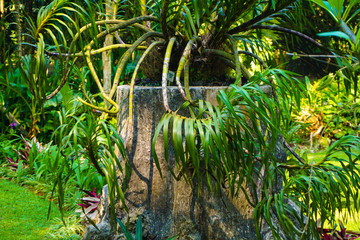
{"x":169,"y":207}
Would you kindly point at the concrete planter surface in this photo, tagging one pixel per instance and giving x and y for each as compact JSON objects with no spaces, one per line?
{"x":169,"y":207}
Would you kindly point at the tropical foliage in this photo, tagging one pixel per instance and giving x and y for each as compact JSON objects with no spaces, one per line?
{"x":62,"y":93}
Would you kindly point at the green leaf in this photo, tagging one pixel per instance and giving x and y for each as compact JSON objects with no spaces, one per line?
{"x":188,"y":17}
{"x":124,"y":230}
{"x":138,"y":234}
{"x":334,"y":34}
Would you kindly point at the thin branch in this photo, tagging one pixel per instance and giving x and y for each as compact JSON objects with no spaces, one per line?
{"x":293,"y":152}
{"x":231,"y":57}
{"x":92,"y":68}
{"x":246,"y":25}
{"x":266,"y":13}
{"x":119,"y":38}
{"x":286,"y":30}
{"x":228,"y":62}
{"x":314,"y":56}
{"x":62,"y":83}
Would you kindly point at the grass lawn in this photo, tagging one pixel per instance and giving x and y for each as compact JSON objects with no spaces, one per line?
{"x":23,"y":214}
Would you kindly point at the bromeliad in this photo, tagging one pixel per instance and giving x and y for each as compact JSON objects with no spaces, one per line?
{"x":89,"y":204}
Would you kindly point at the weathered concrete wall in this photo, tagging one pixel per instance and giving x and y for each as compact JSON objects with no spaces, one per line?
{"x":171,"y":207}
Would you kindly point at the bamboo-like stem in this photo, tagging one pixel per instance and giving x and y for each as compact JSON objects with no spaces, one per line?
{"x":184,"y":58}
{"x":125,"y":57}
{"x":165,"y":73}
{"x":143,"y":7}
{"x":237,"y":60}
{"x":110,"y":9}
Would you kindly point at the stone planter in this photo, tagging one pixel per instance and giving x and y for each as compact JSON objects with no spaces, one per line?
{"x":169,"y":207}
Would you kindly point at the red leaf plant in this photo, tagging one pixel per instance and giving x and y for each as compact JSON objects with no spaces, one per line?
{"x":23,"y":155}
{"x":89,"y":204}
{"x":342,"y":234}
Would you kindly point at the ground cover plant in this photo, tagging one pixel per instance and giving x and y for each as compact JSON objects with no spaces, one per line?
{"x":24,"y":219}
{"x":64,"y":96}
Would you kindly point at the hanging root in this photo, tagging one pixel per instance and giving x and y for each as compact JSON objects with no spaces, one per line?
{"x":184,"y":58}
{"x":116,"y":110}
{"x":132,"y":85}
{"x":119,"y":25}
{"x":186,"y":79}
{"x":126,"y":56}
{"x":237,"y":60}
{"x":94,"y":52}
{"x":165,"y":73}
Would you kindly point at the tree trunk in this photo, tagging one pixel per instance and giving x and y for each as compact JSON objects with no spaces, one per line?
{"x":18,"y":27}
{"x":2,"y":8}
{"x":111,"y":8}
